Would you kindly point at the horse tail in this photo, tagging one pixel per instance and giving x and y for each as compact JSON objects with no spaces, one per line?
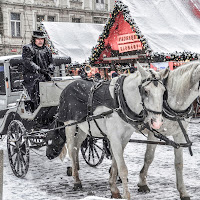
{"x":63,"y":153}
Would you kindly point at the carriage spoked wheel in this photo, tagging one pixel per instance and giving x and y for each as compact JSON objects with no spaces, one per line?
{"x":92,"y":150}
{"x":18,"y":148}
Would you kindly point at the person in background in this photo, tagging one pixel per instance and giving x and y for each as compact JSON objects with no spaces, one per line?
{"x":97,"y":76}
{"x":37,"y":65}
{"x":132,"y":70}
{"x":82,"y":73}
{"x":114,"y":74}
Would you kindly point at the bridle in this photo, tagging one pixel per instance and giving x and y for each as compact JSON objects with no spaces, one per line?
{"x":142,"y":91}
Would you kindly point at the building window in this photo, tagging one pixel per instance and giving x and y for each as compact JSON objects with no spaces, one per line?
{"x":100,"y":1}
{"x":15,"y":25}
{"x":51,"y":19}
{"x":98,"y":20}
{"x":76,"y":20}
{"x":100,"y":5}
{"x":39,"y":19}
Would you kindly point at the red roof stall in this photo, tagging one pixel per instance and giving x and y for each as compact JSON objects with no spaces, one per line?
{"x":148,"y":32}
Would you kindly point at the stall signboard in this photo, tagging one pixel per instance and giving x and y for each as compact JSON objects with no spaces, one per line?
{"x":128,"y":42}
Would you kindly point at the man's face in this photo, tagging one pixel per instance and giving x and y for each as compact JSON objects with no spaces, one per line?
{"x":39,"y":42}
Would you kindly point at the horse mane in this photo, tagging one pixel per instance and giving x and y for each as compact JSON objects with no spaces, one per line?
{"x":180,"y":78}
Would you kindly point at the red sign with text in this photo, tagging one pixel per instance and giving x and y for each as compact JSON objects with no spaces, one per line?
{"x":127,"y":38}
{"x":128,"y":42}
{"x":130,"y":47}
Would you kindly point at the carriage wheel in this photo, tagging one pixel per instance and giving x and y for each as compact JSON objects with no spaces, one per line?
{"x":18,"y":148}
{"x":92,"y":150}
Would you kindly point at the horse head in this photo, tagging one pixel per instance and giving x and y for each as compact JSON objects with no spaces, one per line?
{"x":151,"y":91}
{"x":55,"y":141}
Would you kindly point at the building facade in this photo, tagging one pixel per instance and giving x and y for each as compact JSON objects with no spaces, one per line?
{"x":18,"y":18}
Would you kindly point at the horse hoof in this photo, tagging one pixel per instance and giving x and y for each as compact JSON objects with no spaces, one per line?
{"x":77,"y":186}
{"x":185,"y":198}
{"x":116,"y":196}
{"x":69,"y":171}
{"x":143,"y":189}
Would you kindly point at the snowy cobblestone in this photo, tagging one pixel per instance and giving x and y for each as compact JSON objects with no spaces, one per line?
{"x":47,"y":179}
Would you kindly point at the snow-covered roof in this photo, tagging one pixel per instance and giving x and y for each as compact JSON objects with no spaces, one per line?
{"x":73,"y":39}
{"x":168,"y":25}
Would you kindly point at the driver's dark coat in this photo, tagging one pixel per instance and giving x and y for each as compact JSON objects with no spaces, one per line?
{"x":34,"y":59}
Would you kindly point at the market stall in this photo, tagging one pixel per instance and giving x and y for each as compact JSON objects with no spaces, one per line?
{"x":150,"y":32}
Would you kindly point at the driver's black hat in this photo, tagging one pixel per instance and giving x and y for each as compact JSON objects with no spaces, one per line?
{"x":39,"y":34}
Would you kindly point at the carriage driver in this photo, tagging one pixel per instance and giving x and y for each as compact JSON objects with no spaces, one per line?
{"x":38,"y":63}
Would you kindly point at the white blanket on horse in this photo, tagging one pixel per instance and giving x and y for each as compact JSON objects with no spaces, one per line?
{"x":74,"y":100}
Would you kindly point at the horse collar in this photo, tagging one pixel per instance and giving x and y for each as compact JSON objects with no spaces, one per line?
{"x":121,"y":105}
{"x":171,"y":114}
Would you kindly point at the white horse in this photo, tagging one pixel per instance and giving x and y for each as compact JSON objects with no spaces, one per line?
{"x":183,"y":88}
{"x":141,"y":90}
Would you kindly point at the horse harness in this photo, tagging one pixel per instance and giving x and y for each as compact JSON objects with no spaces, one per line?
{"x":120,"y":104}
{"x":132,"y":118}
{"x":174,"y":115}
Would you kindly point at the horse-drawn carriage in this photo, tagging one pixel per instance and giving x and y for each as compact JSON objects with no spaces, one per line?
{"x":26,"y":129}
{"x":17,"y":120}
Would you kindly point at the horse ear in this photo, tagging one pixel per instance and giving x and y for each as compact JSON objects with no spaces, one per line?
{"x":164,"y":73}
{"x":142,"y":71}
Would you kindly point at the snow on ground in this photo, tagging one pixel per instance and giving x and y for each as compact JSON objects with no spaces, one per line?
{"x":47,"y":179}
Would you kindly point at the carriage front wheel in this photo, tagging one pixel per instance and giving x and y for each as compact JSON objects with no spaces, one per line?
{"x":18,"y":148}
{"x":92,"y":150}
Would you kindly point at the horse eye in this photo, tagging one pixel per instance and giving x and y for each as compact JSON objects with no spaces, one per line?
{"x":146,"y":93}
{"x":49,"y":142}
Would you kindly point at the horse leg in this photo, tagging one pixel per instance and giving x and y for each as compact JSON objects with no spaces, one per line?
{"x":72,"y":149}
{"x":149,"y":156}
{"x":112,"y":180}
{"x":121,"y":166}
{"x":178,"y":162}
{"x":80,"y":137}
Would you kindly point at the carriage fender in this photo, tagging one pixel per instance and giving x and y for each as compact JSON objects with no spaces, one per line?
{"x":6,"y":121}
